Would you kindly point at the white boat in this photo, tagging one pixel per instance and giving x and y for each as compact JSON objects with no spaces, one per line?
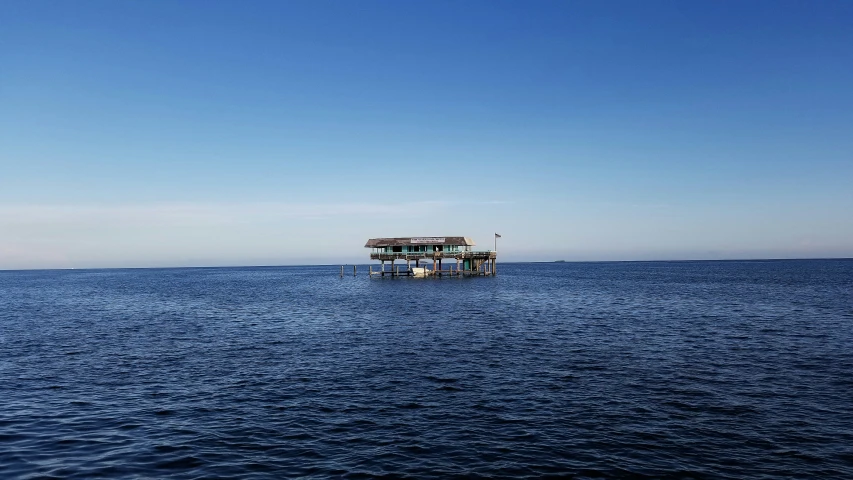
{"x":420,"y":271}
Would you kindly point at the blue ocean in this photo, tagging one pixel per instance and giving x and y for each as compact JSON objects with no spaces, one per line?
{"x":637,"y":370}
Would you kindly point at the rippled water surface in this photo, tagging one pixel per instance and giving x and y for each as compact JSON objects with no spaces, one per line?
{"x":679,"y":370}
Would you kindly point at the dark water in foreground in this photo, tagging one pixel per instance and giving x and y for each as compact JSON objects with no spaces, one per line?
{"x":677,"y":370}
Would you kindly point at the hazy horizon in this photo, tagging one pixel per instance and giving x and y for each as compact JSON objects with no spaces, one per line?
{"x":146,"y":134}
{"x":367,"y":262}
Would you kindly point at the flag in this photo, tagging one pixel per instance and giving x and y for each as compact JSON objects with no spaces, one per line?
{"x":497,"y":236}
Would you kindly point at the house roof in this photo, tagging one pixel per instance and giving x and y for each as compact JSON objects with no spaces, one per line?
{"x":400,"y":241}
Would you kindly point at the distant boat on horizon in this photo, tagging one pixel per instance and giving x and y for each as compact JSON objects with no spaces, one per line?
{"x":559,"y":261}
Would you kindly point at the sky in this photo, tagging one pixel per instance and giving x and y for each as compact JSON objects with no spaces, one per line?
{"x":142,"y":133}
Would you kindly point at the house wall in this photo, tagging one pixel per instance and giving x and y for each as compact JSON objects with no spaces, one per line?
{"x":421,"y":249}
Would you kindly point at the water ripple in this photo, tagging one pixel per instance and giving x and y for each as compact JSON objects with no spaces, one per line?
{"x":609,"y":370}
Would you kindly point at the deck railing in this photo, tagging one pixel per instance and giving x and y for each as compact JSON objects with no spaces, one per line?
{"x":432,"y":255}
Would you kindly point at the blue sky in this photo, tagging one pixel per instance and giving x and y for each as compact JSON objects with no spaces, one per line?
{"x":153,"y":133}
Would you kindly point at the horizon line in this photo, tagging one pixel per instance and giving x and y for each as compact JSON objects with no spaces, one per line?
{"x":366,"y":264}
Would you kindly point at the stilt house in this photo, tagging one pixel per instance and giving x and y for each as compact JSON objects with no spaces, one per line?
{"x":414,"y":250}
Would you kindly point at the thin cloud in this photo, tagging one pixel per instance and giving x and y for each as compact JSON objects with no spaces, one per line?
{"x":196,"y":213}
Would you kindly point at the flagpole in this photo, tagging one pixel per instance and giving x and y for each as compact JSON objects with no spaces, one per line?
{"x":495,"y":258}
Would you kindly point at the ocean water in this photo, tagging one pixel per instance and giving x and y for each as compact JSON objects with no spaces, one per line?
{"x":584,"y":370}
